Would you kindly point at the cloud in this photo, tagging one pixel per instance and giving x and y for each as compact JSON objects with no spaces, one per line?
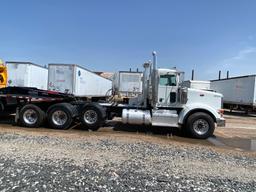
{"x":241,"y":55}
{"x":242,"y":63}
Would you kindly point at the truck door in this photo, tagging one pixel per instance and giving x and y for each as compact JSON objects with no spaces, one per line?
{"x":167,"y":89}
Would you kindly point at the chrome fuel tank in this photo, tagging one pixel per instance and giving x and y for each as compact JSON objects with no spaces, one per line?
{"x":136,"y":116}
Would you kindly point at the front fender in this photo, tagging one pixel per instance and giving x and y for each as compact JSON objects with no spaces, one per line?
{"x":190,"y":108}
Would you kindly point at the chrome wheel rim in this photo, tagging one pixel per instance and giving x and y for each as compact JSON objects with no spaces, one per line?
{"x":90,"y":117}
{"x":201,"y":126}
{"x":30,"y":116}
{"x":59,"y":117}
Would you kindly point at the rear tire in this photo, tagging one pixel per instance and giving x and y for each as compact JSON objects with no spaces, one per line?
{"x":200,"y":125}
{"x":93,"y":116}
{"x":60,"y":116}
{"x":31,"y":116}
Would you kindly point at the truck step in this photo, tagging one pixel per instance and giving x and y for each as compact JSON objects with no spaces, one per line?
{"x":165,"y":118}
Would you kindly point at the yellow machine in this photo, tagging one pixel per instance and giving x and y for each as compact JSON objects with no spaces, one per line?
{"x":3,"y":74}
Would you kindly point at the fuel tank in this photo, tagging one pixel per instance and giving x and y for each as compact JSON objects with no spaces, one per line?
{"x":136,"y":116}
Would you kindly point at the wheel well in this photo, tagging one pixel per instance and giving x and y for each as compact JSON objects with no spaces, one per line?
{"x":199,"y":110}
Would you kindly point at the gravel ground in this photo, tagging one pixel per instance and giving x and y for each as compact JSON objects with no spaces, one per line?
{"x":119,"y":162}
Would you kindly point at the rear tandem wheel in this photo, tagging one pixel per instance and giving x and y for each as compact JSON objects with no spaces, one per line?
{"x":93,"y":116}
{"x":31,"y":115}
{"x":60,"y":116}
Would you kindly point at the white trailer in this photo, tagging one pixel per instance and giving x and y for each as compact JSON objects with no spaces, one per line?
{"x":203,"y":85}
{"x":237,"y":91}
{"x":127,"y":83}
{"x":77,"y":80}
{"x":26,"y":74}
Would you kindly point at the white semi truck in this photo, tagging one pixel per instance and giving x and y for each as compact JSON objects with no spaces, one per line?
{"x":163,"y":103}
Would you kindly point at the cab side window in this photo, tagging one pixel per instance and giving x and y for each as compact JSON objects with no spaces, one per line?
{"x":167,"y":80}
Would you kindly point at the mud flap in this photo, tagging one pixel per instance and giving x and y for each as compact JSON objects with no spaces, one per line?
{"x":17,"y":115}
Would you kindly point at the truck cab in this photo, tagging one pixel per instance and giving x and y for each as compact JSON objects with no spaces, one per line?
{"x":165,"y":102}
{"x":168,"y":81}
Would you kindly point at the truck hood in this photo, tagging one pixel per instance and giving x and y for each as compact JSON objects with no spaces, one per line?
{"x":202,"y":97}
{"x":205,"y":92}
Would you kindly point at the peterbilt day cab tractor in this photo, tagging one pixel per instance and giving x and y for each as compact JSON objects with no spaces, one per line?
{"x":163,"y":103}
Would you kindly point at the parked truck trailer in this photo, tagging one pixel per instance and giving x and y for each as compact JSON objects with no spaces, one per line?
{"x":77,"y":80}
{"x":26,"y":74}
{"x":163,"y":103}
{"x":127,"y":83}
{"x":238,"y":92}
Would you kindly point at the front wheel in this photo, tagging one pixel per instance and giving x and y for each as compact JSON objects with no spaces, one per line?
{"x":200,"y":125}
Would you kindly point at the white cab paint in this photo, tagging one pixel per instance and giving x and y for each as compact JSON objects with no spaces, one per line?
{"x":204,"y":100}
{"x":204,"y":85}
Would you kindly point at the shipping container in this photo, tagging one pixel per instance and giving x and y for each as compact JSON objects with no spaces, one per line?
{"x":127,"y":83}
{"x":239,"y":91}
{"x":203,"y":85}
{"x":26,"y":74}
{"x":77,"y":80}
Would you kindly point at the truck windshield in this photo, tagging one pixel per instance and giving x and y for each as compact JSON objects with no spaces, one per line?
{"x":167,"y":80}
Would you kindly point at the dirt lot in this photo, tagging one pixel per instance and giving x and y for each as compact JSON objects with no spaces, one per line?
{"x":127,"y":159}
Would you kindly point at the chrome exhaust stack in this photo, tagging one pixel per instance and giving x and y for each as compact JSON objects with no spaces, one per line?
{"x":154,"y":81}
{"x":154,"y":60}
{"x":146,"y":75}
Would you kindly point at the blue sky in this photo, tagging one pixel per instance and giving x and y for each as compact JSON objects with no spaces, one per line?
{"x":112,"y":35}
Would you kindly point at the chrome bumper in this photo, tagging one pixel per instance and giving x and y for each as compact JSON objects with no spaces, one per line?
{"x":221,"y":122}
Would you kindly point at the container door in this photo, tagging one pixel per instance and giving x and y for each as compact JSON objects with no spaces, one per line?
{"x":17,"y":75}
{"x":38,"y":77}
{"x":130,"y":83}
{"x":61,"y":78}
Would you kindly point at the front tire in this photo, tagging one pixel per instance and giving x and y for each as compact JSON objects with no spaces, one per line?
{"x":200,"y":125}
{"x":31,"y":116}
